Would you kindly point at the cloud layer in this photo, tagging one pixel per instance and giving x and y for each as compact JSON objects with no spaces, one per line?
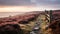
{"x":29,"y":2}
{"x":34,"y":3}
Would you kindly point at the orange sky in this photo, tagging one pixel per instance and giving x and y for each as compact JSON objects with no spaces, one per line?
{"x":18,"y":8}
{"x":28,"y":5}
{"x":21,"y":8}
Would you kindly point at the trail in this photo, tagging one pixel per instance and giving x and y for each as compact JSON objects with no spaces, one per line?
{"x":36,"y":29}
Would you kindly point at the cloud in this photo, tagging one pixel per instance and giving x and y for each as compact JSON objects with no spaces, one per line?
{"x":35,"y":3}
{"x":48,"y":2}
{"x":15,"y":2}
{"x":29,"y":2}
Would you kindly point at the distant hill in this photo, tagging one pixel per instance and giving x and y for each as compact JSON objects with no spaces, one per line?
{"x":22,"y":19}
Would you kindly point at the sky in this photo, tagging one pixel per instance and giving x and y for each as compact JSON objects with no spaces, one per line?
{"x":28,"y":5}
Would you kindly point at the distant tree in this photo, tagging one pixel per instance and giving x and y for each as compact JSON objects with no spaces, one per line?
{"x":9,"y":15}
